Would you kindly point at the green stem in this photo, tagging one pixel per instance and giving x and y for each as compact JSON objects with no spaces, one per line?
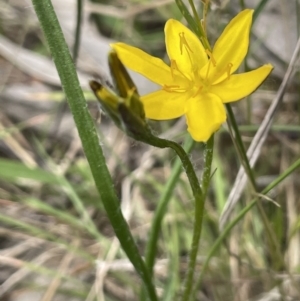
{"x":151,"y":248}
{"x":258,"y":9}
{"x":198,"y":196}
{"x":77,"y":31}
{"x":208,"y":156}
{"x":161,"y":209}
{"x":199,"y":210}
{"x":204,"y":20}
{"x":196,"y":17}
{"x":186,"y":163}
{"x":194,"y":23}
{"x":89,"y":137}
{"x":242,"y":4}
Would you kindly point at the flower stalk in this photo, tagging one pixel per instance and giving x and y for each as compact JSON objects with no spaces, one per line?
{"x":198,"y":217}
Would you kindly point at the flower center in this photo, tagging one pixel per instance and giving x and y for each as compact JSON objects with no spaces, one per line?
{"x":197,"y":83}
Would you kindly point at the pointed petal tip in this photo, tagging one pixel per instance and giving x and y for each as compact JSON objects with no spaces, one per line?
{"x":119,"y":46}
{"x":173,"y":23}
{"x":246,"y":12}
{"x":244,"y":16}
{"x":269,"y":65}
{"x":241,"y":85}
{"x":116,"y":45}
{"x":268,"y":68}
{"x":169,"y":21}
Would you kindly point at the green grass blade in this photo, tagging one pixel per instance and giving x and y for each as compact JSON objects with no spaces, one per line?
{"x":189,"y":18}
{"x":260,"y":6}
{"x":66,"y":217}
{"x":14,"y":171}
{"x":38,"y":232}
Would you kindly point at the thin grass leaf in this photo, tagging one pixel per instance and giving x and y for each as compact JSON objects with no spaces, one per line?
{"x":259,"y":8}
{"x":14,"y":171}
{"x":189,"y":18}
{"x":45,"y":234}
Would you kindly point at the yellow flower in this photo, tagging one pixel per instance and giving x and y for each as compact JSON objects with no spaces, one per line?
{"x":197,"y":83}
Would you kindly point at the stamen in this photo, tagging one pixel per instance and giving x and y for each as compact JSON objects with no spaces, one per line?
{"x":229,"y":66}
{"x":209,"y":53}
{"x":171,"y":88}
{"x":226,"y":70}
{"x":207,"y":72}
{"x":184,"y":42}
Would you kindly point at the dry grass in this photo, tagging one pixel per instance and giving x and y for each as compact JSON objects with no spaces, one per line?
{"x":56,"y":242}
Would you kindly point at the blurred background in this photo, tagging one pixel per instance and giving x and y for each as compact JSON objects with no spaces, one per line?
{"x":56,"y":242}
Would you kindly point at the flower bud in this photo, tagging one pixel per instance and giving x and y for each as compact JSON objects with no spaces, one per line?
{"x":125,"y":109}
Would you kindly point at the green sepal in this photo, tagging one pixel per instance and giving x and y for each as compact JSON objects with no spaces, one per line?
{"x":127,"y":114}
{"x":107,"y":101}
{"x":125,"y":85}
{"x":121,"y":77}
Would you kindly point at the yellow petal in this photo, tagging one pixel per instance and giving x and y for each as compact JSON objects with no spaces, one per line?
{"x":184,"y":47}
{"x":149,"y":66}
{"x":241,"y":85}
{"x":231,"y":47}
{"x":205,"y":116}
{"x":163,"y":105}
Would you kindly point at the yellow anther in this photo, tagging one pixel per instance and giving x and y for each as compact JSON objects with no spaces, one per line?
{"x":229,"y":66}
{"x":171,"y":88}
{"x":209,"y":53}
{"x":173,"y":67}
{"x":184,"y":42}
{"x":226,"y":70}
{"x":208,"y":69}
